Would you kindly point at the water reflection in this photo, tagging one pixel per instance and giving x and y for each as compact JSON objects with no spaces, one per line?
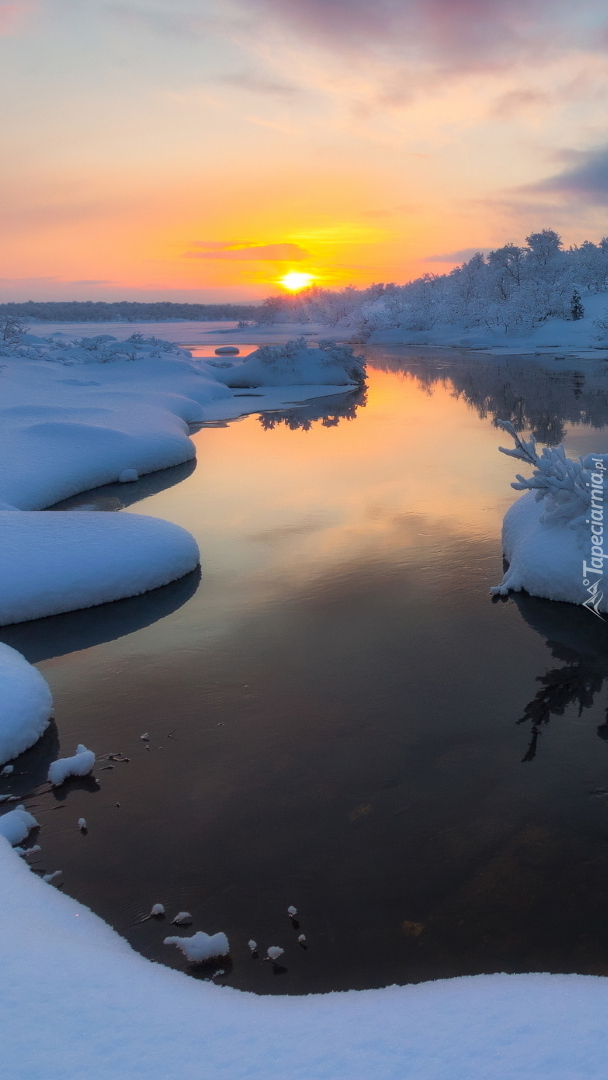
{"x":581,"y":643}
{"x":58,"y":635}
{"x":120,"y":496}
{"x":341,"y":697}
{"x":328,"y":410}
{"x":534,"y":394}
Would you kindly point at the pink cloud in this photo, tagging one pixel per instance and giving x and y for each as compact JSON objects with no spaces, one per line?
{"x":12,"y":14}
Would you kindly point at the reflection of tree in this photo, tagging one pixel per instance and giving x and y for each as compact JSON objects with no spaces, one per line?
{"x":329,"y":410}
{"x":560,"y":687}
{"x":530,"y":393}
{"x":582,"y":645}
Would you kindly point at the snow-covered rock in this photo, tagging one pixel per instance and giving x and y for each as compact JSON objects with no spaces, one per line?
{"x":183,"y":918}
{"x":201,"y":946}
{"x":25,"y":703}
{"x":75,"y":559}
{"x":16,"y":825}
{"x":80,"y":764}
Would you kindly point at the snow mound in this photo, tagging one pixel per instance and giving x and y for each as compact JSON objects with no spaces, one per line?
{"x":201,"y":946}
{"x":79,"y":765}
{"x":16,"y":825}
{"x":544,"y":560}
{"x":553,"y":536}
{"x":295,"y":364}
{"x":66,"y":560}
{"x":25,"y":704}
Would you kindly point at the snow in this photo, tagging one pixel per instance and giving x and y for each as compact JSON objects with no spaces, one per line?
{"x":75,"y":559}
{"x":25,"y":704}
{"x":157,"y":909}
{"x":293,"y":363}
{"x":49,"y":878}
{"x":201,"y":946}
{"x":16,"y":825}
{"x":115,"y":1014}
{"x":274,"y":951}
{"x":183,"y":918}
{"x":548,"y":533}
{"x":77,"y":414}
{"x":80,"y":764}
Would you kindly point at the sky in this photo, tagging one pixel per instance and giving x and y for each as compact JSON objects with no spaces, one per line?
{"x":199,"y":150}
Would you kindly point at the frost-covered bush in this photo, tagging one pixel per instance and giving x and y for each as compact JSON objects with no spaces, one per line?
{"x":564,"y":484}
{"x":12,"y":329}
{"x":103,"y":349}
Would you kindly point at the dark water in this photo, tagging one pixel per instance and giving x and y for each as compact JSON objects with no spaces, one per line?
{"x":340,"y":718}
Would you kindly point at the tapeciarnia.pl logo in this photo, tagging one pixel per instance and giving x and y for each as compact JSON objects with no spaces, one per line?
{"x":593,"y":572}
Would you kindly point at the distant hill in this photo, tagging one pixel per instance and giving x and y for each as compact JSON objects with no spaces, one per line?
{"x":125,"y":311}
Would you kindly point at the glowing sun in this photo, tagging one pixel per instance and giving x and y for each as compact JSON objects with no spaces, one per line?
{"x":295,"y":280}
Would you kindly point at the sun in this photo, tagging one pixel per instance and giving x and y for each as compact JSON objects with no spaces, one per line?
{"x":296,"y":280}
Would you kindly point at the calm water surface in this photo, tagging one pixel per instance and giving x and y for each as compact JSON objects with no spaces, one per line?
{"x":340,"y":718}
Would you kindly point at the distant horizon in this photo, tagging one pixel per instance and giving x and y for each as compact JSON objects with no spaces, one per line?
{"x":200,"y":152}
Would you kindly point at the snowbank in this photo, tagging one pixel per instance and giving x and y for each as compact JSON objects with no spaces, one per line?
{"x":293,"y":363}
{"x":116,"y":1014}
{"x":80,"y":764}
{"x":553,"y":535}
{"x":66,"y":560}
{"x":25,"y":703}
{"x":544,"y":560}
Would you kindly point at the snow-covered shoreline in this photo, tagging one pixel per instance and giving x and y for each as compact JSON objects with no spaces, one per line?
{"x":78,"y":414}
{"x":77,"y":998}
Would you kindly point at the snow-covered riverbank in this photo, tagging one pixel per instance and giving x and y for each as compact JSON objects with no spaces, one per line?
{"x":74,"y":416}
{"x":77,"y":999}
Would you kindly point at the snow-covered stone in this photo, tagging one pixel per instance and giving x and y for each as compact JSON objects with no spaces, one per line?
{"x":183,"y":918}
{"x":201,"y":946}
{"x":80,"y":764}
{"x":16,"y":825}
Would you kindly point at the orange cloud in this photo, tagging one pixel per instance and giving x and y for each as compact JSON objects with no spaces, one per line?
{"x":248,"y":252}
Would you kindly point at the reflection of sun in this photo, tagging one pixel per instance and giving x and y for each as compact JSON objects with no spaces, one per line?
{"x":295,"y":280}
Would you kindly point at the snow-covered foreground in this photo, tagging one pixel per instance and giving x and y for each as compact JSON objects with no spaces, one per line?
{"x":77,"y":1000}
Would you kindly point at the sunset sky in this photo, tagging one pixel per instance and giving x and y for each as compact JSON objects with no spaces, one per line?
{"x":201,"y":149}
